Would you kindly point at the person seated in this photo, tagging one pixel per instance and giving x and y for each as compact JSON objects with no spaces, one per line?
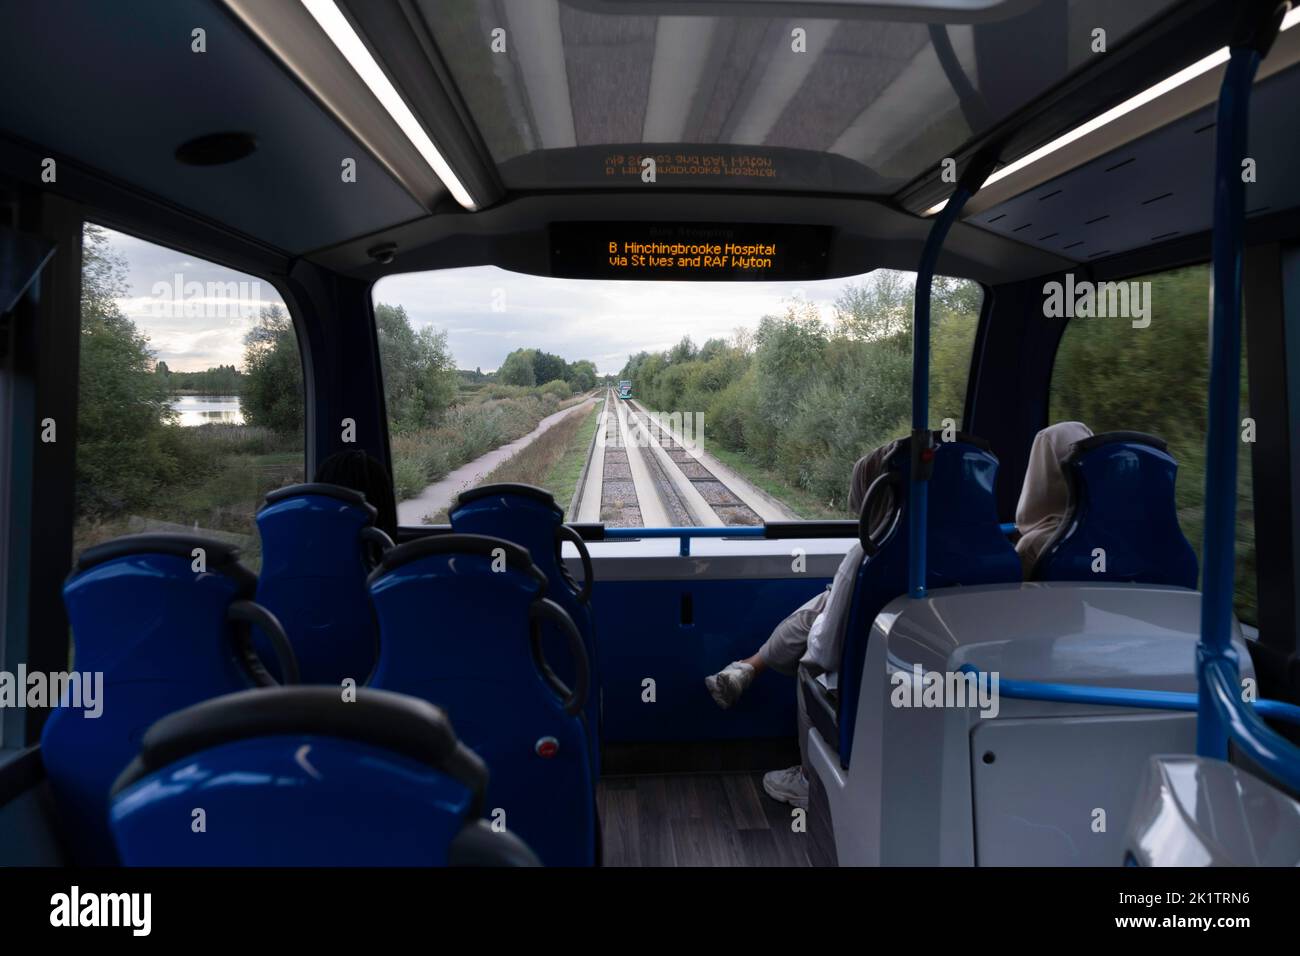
{"x":1045,"y":494}
{"x":813,"y":633}
{"x":364,"y":473}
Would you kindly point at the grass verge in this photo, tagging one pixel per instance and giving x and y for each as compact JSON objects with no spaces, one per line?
{"x":535,"y":463}
{"x":803,"y":503}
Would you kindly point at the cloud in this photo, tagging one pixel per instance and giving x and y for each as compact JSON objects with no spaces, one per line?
{"x":486,"y":312}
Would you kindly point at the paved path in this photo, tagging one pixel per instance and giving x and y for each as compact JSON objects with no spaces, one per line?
{"x":441,"y":494}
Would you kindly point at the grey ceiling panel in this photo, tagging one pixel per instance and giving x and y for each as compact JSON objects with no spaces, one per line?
{"x":120,"y":89}
{"x":1158,"y":187}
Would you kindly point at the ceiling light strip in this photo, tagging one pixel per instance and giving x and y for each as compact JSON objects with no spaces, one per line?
{"x":345,"y":39}
{"x":1185,"y":75}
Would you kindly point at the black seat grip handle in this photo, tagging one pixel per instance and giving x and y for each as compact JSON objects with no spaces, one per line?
{"x":565,"y":533}
{"x":376,"y":544}
{"x":869,"y":544}
{"x":575,"y":700}
{"x":247,"y":614}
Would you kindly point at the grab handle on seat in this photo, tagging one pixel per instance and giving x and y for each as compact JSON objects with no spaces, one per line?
{"x":869,"y":544}
{"x":376,"y":544}
{"x":565,"y":533}
{"x":245,"y":615}
{"x":573,"y":700}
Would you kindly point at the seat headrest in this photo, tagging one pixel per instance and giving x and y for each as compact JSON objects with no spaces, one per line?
{"x":904,"y":444}
{"x":897,"y":468}
{"x":349,"y":495}
{"x":219,"y":556}
{"x":1085,"y":445}
{"x":507,"y":489}
{"x":517,"y":558}
{"x":1121,"y":500}
{"x":396,"y":722}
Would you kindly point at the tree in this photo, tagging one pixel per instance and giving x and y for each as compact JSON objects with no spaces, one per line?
{"x":878,"y":309}
{"x":122,"y":454}
{"x":683,"y":351}
{"x":548,"y":367}
{"x":420,"y":377}
{"x":582,"y":375}
{"x":272,"y":395}
{"x":789,"y":354}
{"x":518,"y":369}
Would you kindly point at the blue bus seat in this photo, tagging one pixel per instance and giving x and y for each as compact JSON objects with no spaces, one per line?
{"x":965,"y":545}
{"x":530,"y":517}
{"x":318,"y":545}
{"x":1121,"y":487}
{"x":165,"y":636}
{"x":299,"y":776}
{"x":458,"y":619}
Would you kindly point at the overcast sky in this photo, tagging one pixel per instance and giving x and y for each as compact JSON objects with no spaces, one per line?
{"x":601,"y":320}
{"x":486,"y":311}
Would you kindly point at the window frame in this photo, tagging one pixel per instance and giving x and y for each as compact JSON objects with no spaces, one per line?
{"x":44,"y":371}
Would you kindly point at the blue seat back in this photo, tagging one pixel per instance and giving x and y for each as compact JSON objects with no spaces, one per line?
{"x":530,"y":518}
{"x":457,"y":618}
{"x":1122,"y":501}
{"x":303,"y":777}
{"x":318,"y":545}
{"x":965,"y":545}
{"x":165,"y":618}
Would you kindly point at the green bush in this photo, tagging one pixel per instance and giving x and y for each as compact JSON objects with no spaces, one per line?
{"x":559,"y":388}
{"x":804,"y":399}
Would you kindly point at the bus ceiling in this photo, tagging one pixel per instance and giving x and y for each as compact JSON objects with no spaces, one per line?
{"x":451,"y":144}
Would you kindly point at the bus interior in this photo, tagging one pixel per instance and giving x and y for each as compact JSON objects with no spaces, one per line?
{"x":424,"y":423}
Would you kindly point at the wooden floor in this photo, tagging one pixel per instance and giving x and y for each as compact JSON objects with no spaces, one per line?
{"x":704,"y":819}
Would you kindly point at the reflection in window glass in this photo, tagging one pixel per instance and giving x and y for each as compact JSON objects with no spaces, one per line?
{"x":647,"y":404}
{"x":190,"y":406}
{"x":1114,"y":377}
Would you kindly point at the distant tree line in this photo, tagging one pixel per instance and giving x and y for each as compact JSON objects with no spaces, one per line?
{"x":532,"y":367}
{"x":218,"y":380}
{"x":805,"y":397}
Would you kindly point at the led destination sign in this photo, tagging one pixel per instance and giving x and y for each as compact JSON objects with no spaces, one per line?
{"x":712,"y":252}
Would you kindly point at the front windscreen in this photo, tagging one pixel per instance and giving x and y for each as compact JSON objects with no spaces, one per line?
{"x":656,"y":403}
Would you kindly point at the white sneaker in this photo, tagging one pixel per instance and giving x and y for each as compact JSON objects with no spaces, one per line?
{"x":728,"y":684}
{"x":788,"y":785}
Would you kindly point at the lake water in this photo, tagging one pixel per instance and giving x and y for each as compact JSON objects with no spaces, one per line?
{"x":203,"y":409}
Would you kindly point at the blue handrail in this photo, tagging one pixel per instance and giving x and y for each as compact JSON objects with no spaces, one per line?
{"x":1218,"y":551}
{"x":1275,"y":755}
{"x":685,"y":534}
{"x":918,"y":490}
{"x":702,"y":531}
{"x":1132,"y":697}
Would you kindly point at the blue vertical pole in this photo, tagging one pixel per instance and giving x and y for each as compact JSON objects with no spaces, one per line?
{"x":922,"y":452}
{"x":1218,"y":551}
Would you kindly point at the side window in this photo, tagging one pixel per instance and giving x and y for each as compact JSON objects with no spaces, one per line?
{"x":1117,"y":373}
{"x":191,"y":404}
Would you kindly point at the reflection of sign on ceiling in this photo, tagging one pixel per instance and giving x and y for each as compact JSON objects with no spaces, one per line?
{"x":725,"y":166}
{"x":707,"y":251}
